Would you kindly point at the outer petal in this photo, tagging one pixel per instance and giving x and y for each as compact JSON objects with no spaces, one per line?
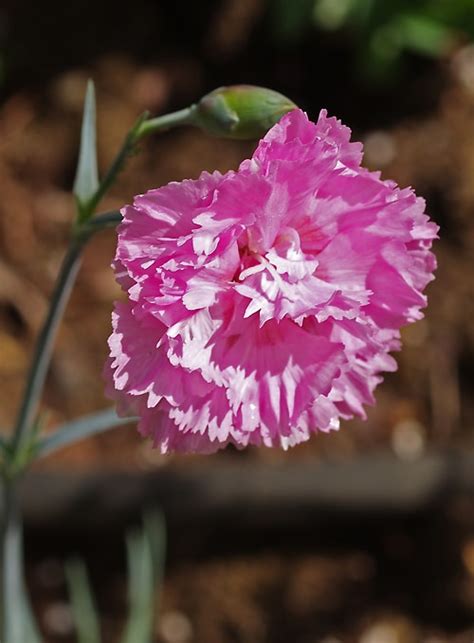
{"x":140,"y":367}
{"x":271,"y":375}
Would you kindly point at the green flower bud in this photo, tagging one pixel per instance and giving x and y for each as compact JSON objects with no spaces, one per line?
{"x":240,"y":111}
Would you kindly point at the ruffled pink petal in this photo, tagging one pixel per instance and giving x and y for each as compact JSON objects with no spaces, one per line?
{"x":263,"y":304}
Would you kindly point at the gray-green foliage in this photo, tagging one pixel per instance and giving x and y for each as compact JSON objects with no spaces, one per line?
{"x":18,"y":622}
{"x":145,"y":556}
{"x":86,"y":182}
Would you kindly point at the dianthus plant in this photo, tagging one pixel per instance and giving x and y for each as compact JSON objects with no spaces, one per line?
{"x":259,"y":306}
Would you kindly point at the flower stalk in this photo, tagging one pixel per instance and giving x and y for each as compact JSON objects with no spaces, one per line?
{"x":42,"y":354}
{"x":228,"y":112}
{"x":84,"y":228}
{"x":18,"y":452}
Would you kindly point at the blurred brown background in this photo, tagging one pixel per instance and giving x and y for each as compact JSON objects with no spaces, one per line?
{"x":403,"y":80}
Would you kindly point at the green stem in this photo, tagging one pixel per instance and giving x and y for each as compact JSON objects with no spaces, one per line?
{"x":44,"y":345}
{"x":12,"y":590}
{"x":128,"y":146}
{"x":84,"y":229}
{"x":142,"y":127}
{"x":100,"y":222}
{"x":165,"y":122}
{"x":41,"y":358}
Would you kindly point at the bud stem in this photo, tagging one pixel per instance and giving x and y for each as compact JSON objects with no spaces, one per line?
{"x":167,"y":121}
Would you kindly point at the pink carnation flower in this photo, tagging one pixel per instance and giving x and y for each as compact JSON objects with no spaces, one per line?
{"x":263,"y":303}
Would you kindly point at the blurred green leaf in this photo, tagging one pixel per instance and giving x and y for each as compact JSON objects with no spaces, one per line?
{"x":363,"y":13}
{"x":145,"y":549}
{"x":145,"y":555}
{"x":32,"y":634}
{"x":155,"y":530}
{"x":84,"y":611}
{"x":31,"y":630}
{"x":290,"y":19}
{"x":382,"y":31}
{"x":86,"y":182}
{"x":76,"y":430}
{"x":331,"y":14}
{"x":425,"y":35}
{"x":19,"y":624}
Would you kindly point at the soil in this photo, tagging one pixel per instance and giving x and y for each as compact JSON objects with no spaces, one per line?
{"x":368,"y":579}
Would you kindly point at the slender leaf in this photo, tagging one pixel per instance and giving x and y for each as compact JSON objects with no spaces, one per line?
{"x":71,"y":432}
{"x":19,"y":624}
{"x":31,"y":630}
{"x":82,"y":601}
{"x":141,"y":590}
{"x":145,"y":563}
{"x":86,"y":182}
{"x":154,"y":527}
